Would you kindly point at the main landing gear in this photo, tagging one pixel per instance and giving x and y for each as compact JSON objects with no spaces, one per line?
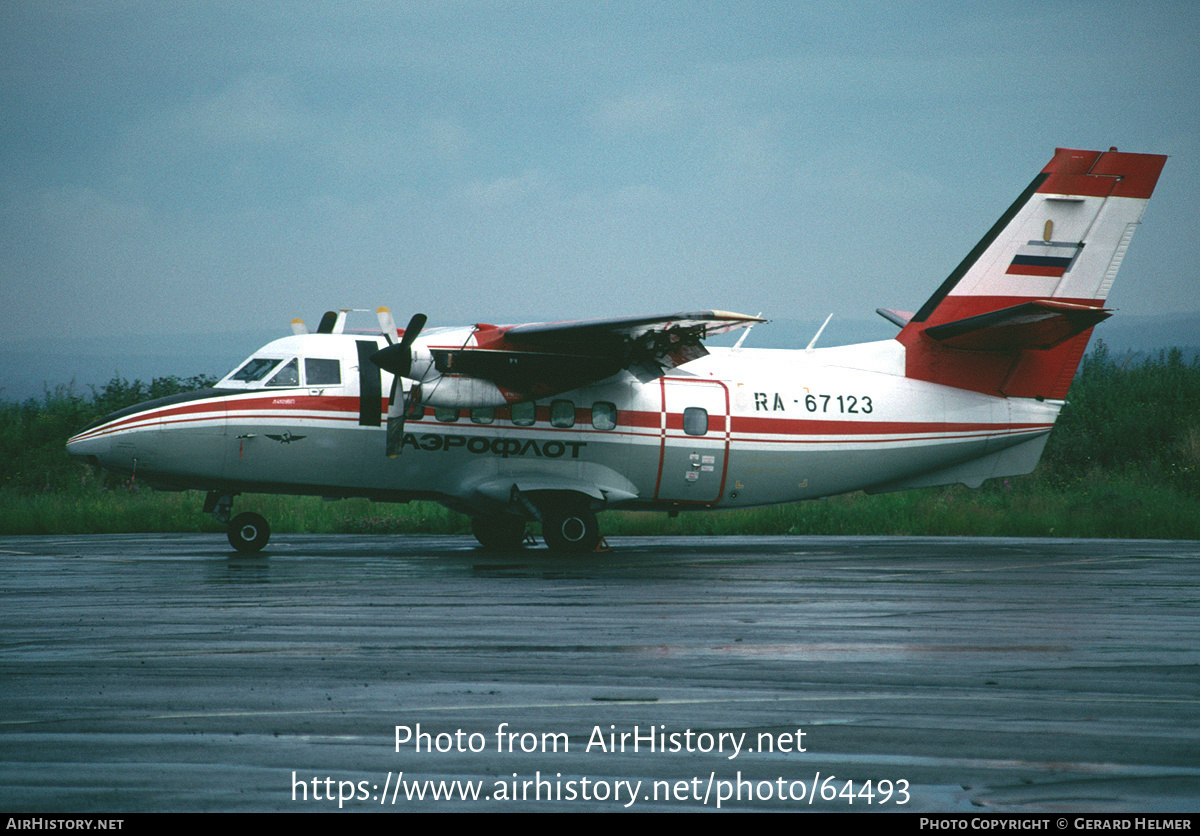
{"x":502,"y":533}
{"x":571,"y":529}
{"x":569,"y":524}
{"x":248,"y":532}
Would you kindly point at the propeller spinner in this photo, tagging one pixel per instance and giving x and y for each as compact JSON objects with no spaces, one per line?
{"x":397,"y":357}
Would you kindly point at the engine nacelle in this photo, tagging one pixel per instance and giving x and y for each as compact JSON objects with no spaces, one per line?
{"x":460,"y":392}
{"x":422,"y":364}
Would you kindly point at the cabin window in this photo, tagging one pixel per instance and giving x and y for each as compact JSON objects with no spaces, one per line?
{"x":562,"y":414}
{"x":524,"y":414}
{"x":256,"y":368}
{"x":318,"y":372}
{"x":449,"y":414}
{"x":483,"y":415}
{"x":604,"y":415}
{"x":289,"y":375}
{"x":695,"y":421}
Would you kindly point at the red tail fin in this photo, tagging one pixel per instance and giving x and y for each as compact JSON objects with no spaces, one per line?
{"x":1014,"y":318}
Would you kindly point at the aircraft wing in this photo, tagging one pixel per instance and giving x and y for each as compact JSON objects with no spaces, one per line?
{"x":543,"y":357}
{"x":670,"y":340}
{"x":706,"y":323}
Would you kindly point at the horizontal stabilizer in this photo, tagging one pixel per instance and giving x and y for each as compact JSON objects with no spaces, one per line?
{"x":1040,"y":324}
{"x":897,"y":318}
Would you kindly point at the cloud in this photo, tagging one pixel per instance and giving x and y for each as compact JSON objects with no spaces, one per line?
{"x":254,"y":110}
{"x":644,"y":111}
{"x":505,"y":192}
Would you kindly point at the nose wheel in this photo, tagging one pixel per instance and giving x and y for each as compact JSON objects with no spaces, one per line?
{"x":249,"y":532}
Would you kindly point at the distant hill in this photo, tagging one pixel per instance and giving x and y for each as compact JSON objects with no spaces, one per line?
{"x":28,"y":367}
{"x":1122,"y":334}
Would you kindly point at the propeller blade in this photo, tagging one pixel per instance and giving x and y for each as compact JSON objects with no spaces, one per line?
{"x":328,"y":321}
{"x":414,"y":329}
{"x":395,"y":358}
{"x":386,"y":324}
{"x":395,"y":420}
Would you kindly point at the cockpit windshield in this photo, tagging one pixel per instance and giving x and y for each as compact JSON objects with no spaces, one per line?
{"x":289,"y":375}
{"x":256,"y":368}
{"x":290,"y":372}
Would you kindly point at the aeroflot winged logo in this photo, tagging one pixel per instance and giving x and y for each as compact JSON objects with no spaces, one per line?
{"x":552,"y":422}
{"x":286,"y":438}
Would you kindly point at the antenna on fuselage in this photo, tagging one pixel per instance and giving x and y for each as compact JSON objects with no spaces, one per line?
{"x":746,"y":333}
{"x":817,"y":335}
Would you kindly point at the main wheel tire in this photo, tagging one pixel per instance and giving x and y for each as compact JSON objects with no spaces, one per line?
{"x":503,"y":533}
{"x":249,"y":532}
{"x":573,"y":530}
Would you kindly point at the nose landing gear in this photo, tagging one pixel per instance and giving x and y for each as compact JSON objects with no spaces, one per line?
{"x":248,"y":532}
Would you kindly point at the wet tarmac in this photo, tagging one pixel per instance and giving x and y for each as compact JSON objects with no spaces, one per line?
{"x":163,"y":673}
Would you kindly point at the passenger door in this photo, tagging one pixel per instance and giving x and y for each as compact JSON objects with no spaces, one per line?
{"x":694,"y":426}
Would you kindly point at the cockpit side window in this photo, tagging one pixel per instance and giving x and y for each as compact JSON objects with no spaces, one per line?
{"x":318,"y":372}
{"x":289,"y":375}
{"x":256,"y":368}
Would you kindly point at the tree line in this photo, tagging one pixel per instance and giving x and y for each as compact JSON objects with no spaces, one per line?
{"x":34,"y":433}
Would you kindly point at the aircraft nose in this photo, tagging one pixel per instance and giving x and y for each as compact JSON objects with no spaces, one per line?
{"x":95,"y":441}
{"x":87,"y":445}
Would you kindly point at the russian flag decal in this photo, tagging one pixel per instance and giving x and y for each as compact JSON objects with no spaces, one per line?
{"x":1044,"y":258}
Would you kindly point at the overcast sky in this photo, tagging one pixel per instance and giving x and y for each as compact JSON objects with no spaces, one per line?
{"x":191,"y":167}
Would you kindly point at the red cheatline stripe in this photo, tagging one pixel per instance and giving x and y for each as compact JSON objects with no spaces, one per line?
{"x":794,"y":426}
{"x":876,"y":439}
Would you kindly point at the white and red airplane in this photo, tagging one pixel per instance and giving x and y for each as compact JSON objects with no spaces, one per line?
{"x":556,"y":421}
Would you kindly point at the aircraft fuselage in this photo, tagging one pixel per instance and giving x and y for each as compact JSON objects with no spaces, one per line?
{"x":803,"y":424}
